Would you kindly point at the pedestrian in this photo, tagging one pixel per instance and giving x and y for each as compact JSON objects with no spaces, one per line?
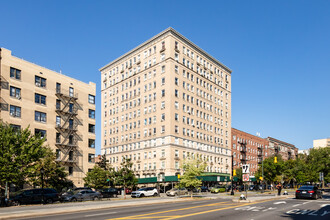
{"x":279,"y":189}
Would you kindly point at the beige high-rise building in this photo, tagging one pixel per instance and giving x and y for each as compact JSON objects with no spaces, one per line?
{"x":59,"y":107}
{"x":164,"y":101}
{"x":321,"y":143}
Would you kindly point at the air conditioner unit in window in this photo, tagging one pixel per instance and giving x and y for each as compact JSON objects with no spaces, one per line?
{"x":12,"y":113}
{"x":38,"y":84}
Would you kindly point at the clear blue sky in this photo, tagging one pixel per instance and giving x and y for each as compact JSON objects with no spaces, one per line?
{"x":279,"y":51}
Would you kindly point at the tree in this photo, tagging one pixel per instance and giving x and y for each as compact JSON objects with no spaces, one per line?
{"x":97,"y":178}
{"x":192,"y":168}
{"x":55,"y":175}
{"x":19,"y":150}
{"x":103,"y":163}
{"x":273,"y":172}
{"x":239,"y":175}
{"x":125,"y":176}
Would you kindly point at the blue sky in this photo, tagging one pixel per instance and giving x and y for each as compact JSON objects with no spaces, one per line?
{"x":279,"y":51}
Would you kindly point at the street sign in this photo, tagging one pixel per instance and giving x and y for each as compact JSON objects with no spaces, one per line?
{"x":246,"y":168}
{"x":321,"y":176}
{"x":246,"y":177}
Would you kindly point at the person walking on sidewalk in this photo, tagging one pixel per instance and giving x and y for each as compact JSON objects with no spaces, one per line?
{"x":279,"y":188}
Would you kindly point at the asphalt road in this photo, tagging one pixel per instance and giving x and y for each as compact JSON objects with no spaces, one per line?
{"x":219,"y":208}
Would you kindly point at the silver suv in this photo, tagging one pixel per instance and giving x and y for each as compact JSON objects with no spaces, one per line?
{"x":148,"y":191}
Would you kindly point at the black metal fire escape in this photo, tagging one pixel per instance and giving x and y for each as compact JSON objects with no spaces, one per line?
{"x":68,"y":137}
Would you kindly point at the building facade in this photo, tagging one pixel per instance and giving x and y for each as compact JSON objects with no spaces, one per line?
{"x":60,"y":108}
{"x":248,"y":149}
{"x":321,"y":143}
{"x":286,"y":150}
{"x":164,"y":101}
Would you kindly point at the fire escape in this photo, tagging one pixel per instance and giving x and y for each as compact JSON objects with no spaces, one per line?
{"x":4,"y":85}
{"x":243,"y":151}
{"x":68,"y":137}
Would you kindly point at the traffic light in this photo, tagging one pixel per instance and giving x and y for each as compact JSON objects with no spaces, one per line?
{"x":178,"y":176}
{"x":275,"y":159}
{"x":234,"y":172}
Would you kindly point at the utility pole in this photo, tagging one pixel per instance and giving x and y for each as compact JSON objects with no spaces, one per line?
{"x":232,"y":174}
{"x":262,"y":169}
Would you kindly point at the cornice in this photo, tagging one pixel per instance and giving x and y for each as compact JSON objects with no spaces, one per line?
{"x":169,"y":30}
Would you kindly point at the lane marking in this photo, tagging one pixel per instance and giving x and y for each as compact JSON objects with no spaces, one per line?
{"x":280,"y":202}
{"x":142,"y":216}
{"x":208,"y":211}
{"x":98,"y":214}
{"x":173,"y":210}
{"x":296,"y":205}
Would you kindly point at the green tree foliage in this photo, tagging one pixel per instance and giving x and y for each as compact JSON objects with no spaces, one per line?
{"x":54,"y":176}
{"x":97,"y":178}
{"x":272,"y":171}
{"x":19,"y":150}
{"x":125,"y":176}
{"x":103,"y":163}
{"x":192,"y":168}
{"x":305,"y":168}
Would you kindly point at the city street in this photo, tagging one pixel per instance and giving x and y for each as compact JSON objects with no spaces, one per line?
{"x":221,"y":207}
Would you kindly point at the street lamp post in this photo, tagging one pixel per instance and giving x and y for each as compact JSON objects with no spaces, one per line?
{"x":232,"y":175}
{"x":262,"y":171}
{"x":42,"y":171}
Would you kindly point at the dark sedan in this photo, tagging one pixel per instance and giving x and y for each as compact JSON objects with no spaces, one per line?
{"x":308,"y":192}
{"x":109,"y":192}
{"x":81,"y":195}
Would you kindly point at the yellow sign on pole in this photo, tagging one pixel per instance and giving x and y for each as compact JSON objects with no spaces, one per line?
{"x":178,"y":176}
{"x":261,"y":178}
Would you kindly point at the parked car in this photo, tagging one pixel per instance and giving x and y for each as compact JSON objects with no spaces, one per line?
{"x":218,"y":189}
{"x":177,"y":192}
{"x":311,"y":192}
{"x":109,"y":192}
{"x":81,"y":195}
{"x":241,"y":188}
{"x":148,"y":191}
{"x":204,"y":189}
{"x":33,"y":196}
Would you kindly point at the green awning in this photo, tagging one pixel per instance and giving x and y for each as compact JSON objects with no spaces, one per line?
{"x":147,"y":180}
{"x":171,"y":178}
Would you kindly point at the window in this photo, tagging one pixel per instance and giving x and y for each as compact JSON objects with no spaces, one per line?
{"x":176,"y":117}
{"x":176,"y":105}
{"x":15,"y":111}
{"x":91,"y":128}
{"x":91,"y":99}
{"x":163,"y":69}
{"x":40,"y":99}
{"x":70,"y":171}
{"x":42,"y":133}
{"x":15,"y":127}
{"x":163,"y":81}
{"x":176,"y":93}
{"x":91,"y":158}
{"x":91,"y":113}
{"x":40,"y":82}
{"x":162,"y":106}
{"x":163,"y":92}
{"x":15,"y":92}
{"x":71,"y":91}
{"x":40,"y":116}
{"x":91,"y":143}
{"x":58,"y":121}
{"x":176,"y":81}
{"x":58,"y":87}
{"x":15,"y":73}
